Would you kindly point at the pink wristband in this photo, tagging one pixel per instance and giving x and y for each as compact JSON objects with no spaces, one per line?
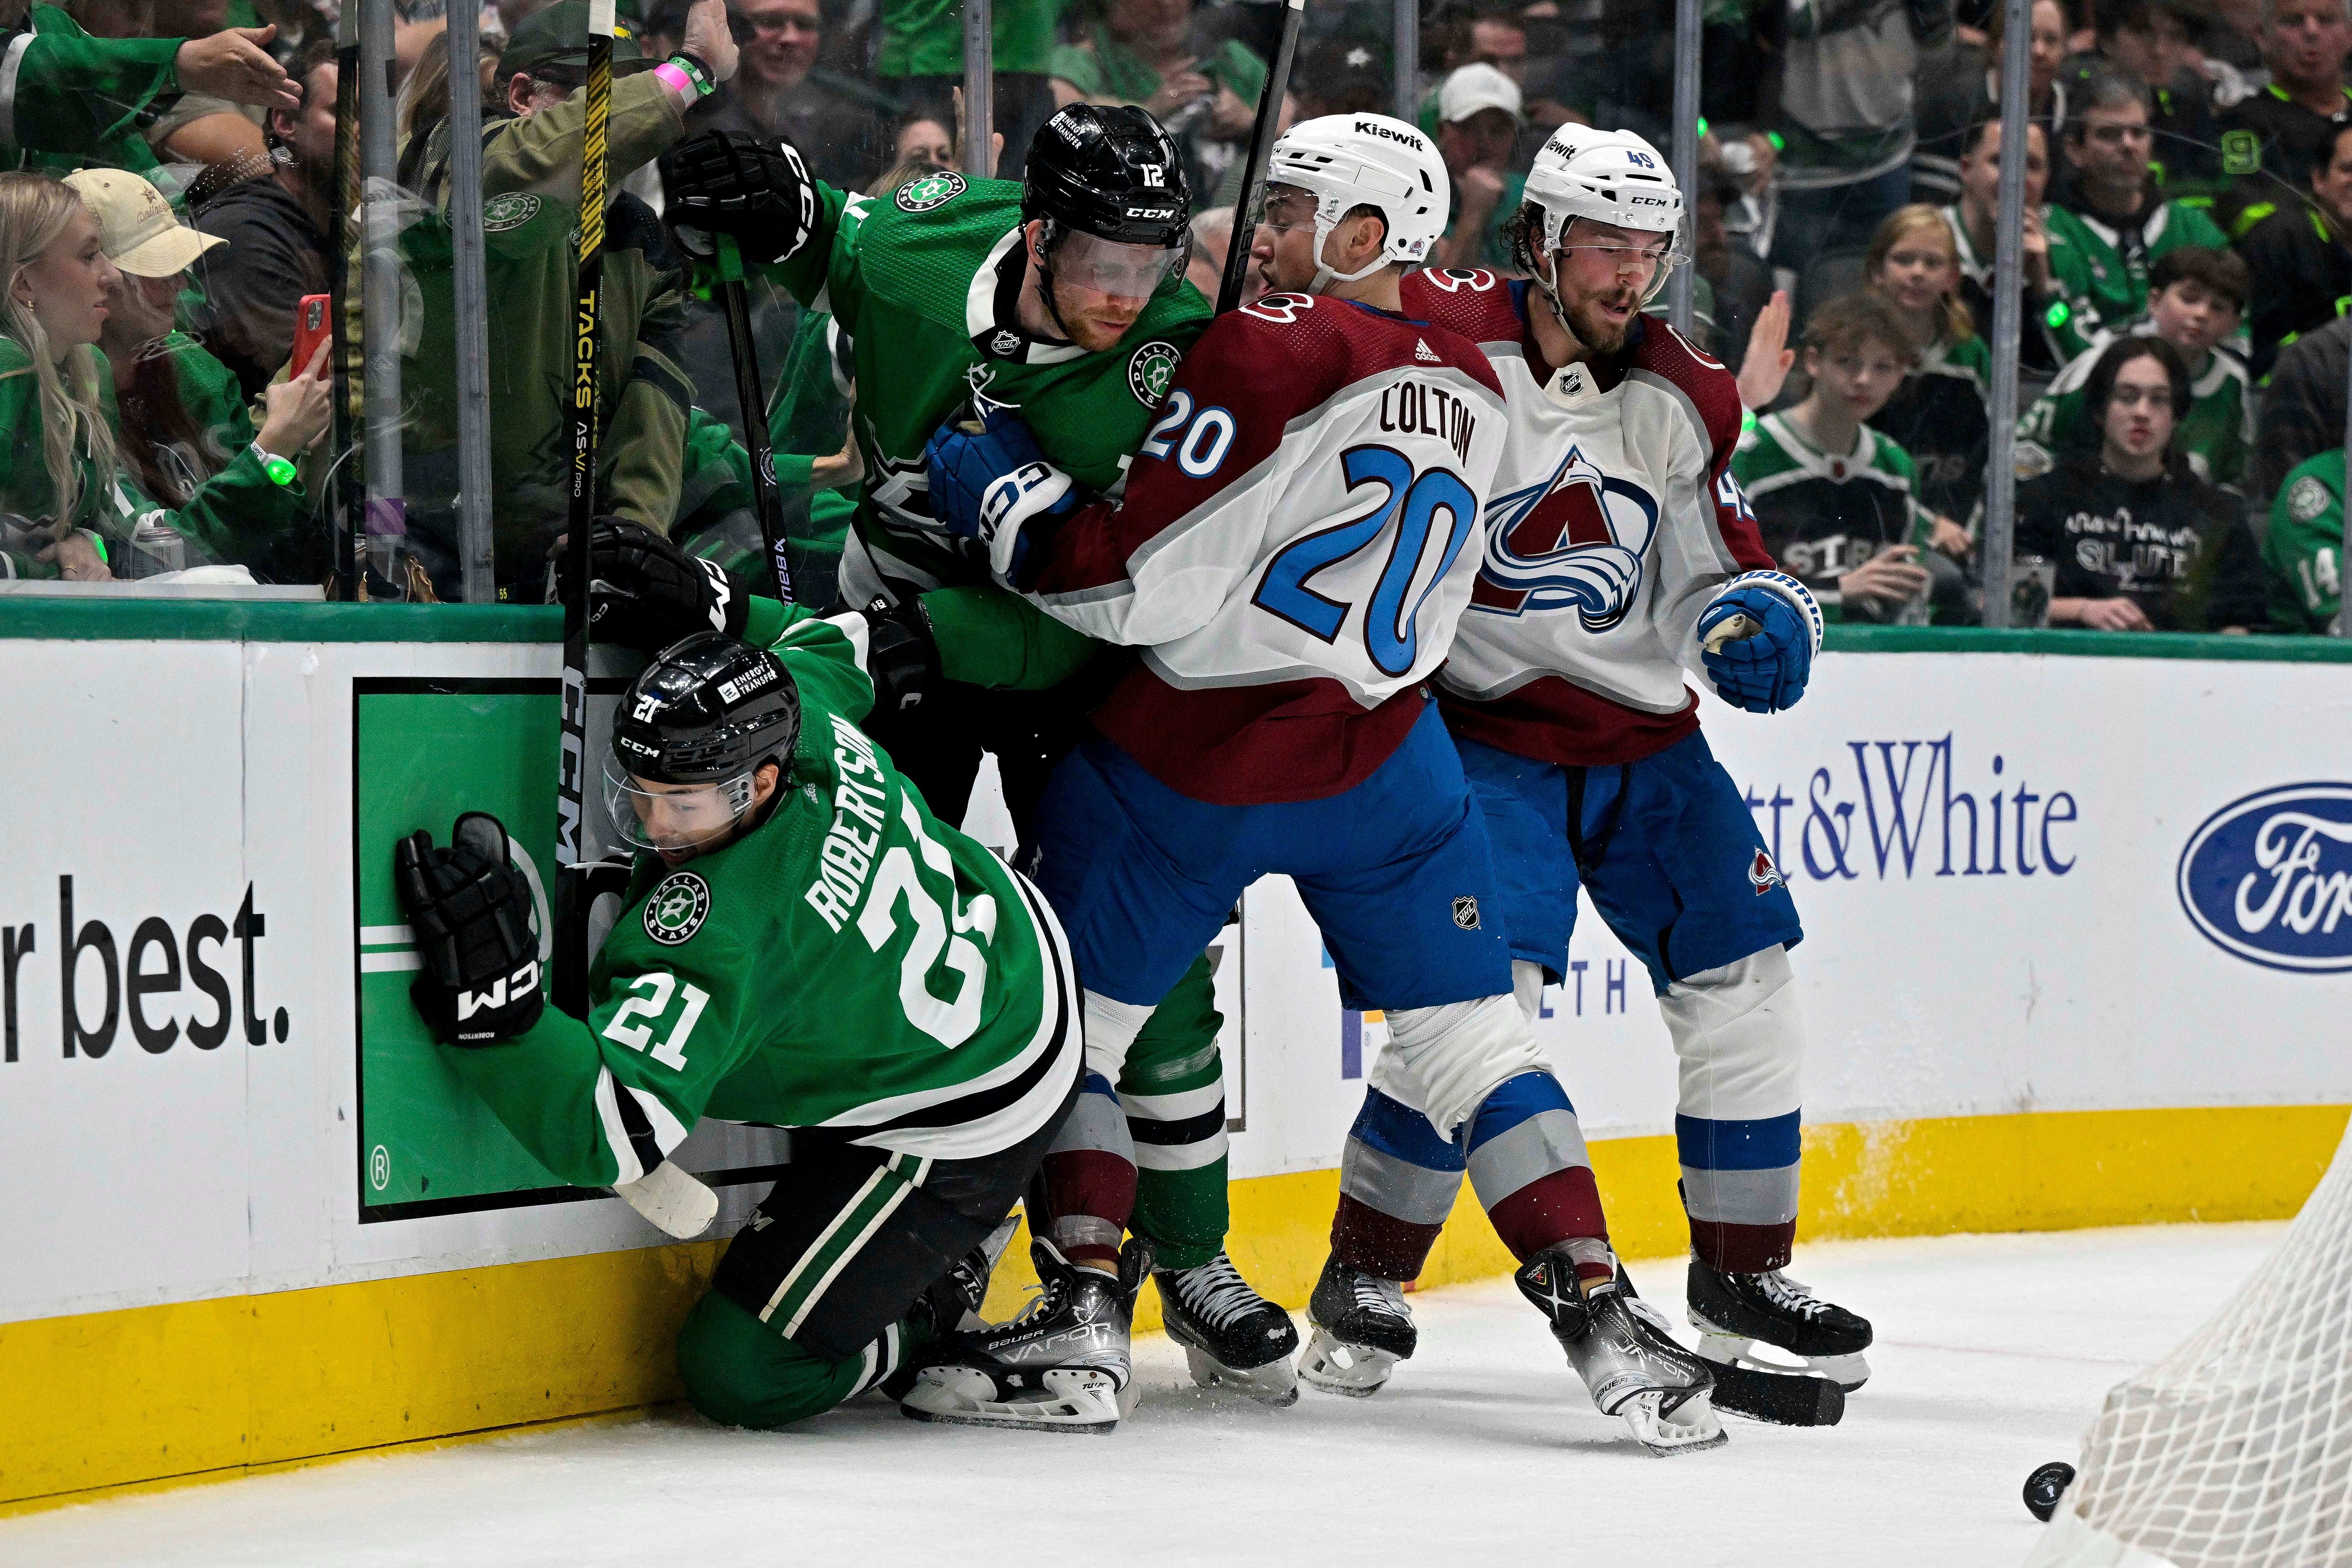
{"x":678,"y":82}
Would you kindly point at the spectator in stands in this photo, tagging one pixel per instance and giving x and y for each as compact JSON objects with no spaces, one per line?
{"x":2300,"y":258}
{"x":75,"y":99}
{"x":2140,"y":542}
{"x":2272,"y":140}
{"x":2302,"y":551}
{"x":1937,"y":414}
{"x":2100,"y":252}
{"x":2155,"y":40}
{"x":2302,"y":412}
{"x":1161,"y":53}
{"x":925,"y":141}
{"x":1478,"y":125}
{"x":1833,"y":497}
{"x":73,"y":506}
{"x":1846,"y":119}
{"x":1737,"y":283}
{"x":2041,"y":350}
{"x":274,"y":234}
{"x":920,"y":64}
{"x":2195,"y":296}
{"x":840,"y":126}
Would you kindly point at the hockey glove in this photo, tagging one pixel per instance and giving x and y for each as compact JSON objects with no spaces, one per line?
{"x":997,"y":487}
{"x":647,"y":593}
{"x":471,"y":910}
{"x":902,"y":658}
{"x":722,"y":182}
{"x":1763,"y":670}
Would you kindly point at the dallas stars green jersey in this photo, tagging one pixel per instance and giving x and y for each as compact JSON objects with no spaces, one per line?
{"x":852,"y":963}
{"x":925,"y":282}
{"x":2216,"y":436}
{"x":2102,"y":268}
{"x":2303,"y":553}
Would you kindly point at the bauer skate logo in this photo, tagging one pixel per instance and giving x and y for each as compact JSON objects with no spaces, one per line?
{"x":1764,"y":876}
{"x":2269,"y":878}
{"x":676,"y":910}
{"x":1465,"y":911}
{"x":501,"y":214}
{"x":932,"y":190}
{"x":1150,"y":369}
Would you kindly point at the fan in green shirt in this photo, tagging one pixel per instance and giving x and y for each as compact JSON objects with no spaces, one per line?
{"x":2303,"y":553}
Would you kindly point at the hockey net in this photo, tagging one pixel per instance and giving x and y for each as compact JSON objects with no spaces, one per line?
{"x":2234,"y":1451}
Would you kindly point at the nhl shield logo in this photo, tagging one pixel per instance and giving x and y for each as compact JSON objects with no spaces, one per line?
{"x":921,"y":195}
{"x":1465,"y":912}
{"x":1764,"y":876}
{"x":675,"y":910}
{"x":501,"y":214}
{"x":1150,"y":371}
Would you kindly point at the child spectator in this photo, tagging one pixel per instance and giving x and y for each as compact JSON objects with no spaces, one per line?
{"x":60,"y":472}
{"x":1833,"y":497}
{"x":2141,"y":544}
{"x":2300,"y":258}
{"x":1938,"y":414}
{"x":2303,"y":553}
{"x":2195,"y":296}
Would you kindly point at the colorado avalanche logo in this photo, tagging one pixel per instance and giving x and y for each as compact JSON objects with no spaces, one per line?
{"x":1764,"y":876}
{"x":1573,"y":541}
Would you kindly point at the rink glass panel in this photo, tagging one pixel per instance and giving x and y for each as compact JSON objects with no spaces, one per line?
{"x":423,"y":752}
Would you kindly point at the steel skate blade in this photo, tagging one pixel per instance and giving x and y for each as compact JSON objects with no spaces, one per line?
{"x":1847,"y":1371}
{"x":1335,"y":1366}
{"x":1276,"y":1384}
{"x":1691,"y":1427}
{"x":1072,"y":1399}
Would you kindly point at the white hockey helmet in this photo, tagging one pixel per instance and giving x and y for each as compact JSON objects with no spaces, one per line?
{"x":1348,"y":161}
{"x":1609,"y":177}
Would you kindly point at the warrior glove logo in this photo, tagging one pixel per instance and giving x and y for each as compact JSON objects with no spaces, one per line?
{"x":1465,"y":912}
{"x":676,"y":910}
{"x":2268,"y":877}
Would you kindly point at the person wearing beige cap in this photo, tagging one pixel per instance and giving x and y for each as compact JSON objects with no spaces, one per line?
{"x":1479,"y":113}
{"x":74,"y":508}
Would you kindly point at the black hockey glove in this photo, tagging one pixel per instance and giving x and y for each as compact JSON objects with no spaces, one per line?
{"x":471,"y":912}
{"x":647,"y":593}
{"x":902,"y":658}
{"x":722,"y":182}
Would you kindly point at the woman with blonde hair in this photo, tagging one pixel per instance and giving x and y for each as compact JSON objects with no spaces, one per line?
{"x":1938,"y":414}
{"x":75,"y":513}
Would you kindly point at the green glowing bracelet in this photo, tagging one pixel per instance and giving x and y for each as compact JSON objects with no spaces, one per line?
{"x":280,"y":471}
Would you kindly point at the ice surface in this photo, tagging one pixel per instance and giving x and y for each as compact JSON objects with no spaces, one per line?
{"x":1992,"y":1354}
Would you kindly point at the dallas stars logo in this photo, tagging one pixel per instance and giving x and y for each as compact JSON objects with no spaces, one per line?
{"x":676,"y":910}
{"x":1150,"y":371}
{"x":501,"y":214}
{"x":921,"y":195}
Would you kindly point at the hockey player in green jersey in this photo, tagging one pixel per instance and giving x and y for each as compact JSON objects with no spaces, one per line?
{"x":1063,"y":296}
{"x":804,"y":944}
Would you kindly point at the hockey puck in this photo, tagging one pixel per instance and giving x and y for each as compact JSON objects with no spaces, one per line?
{"x":2045,"y":1486}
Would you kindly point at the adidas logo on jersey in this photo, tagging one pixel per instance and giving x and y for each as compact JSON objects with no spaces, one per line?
{"x":1424,"y":354}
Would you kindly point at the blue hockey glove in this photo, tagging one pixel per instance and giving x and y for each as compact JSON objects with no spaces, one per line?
{"x":1761,"y":660}
{"x":997,"y":487}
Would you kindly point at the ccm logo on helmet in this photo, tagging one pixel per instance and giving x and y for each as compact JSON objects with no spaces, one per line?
{"x":1151,"y":212}
{"x":1373,"y":128}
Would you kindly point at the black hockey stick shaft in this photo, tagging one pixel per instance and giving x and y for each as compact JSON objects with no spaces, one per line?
{"x":346,"y":496}
{"x":1261,"y":148}
{"x":768,"y":502}
{"x":571,"y":899}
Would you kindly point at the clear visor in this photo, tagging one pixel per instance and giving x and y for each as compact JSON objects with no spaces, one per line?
{"x":1107,"y":267}
{"x":675,"y":821}
{"x":1646,"y":262}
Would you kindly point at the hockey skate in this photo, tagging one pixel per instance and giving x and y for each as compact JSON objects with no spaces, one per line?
{"x":1731,"y":1312}
{"x":1233,"y":1337}
{"x":1619,"y":1346}
{"x":1362,"y":1328}
{"x":1063,"y":1365}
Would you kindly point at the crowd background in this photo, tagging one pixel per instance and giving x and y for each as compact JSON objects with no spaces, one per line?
{"x":176,"y":197}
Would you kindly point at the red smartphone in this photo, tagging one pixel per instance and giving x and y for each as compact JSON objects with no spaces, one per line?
{"x":309,"y":331}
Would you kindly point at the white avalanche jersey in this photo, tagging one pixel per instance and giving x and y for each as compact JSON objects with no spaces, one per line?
{"x":1297,"y":540}
{"x":1613,"y":520}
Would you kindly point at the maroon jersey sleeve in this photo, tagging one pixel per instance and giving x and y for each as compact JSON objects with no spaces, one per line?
{"x":1714,"y":393}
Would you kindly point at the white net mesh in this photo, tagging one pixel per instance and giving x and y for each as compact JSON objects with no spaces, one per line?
{"x":2234,"y":1451}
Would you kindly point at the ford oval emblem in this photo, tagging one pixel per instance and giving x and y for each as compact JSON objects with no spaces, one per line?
{"x":2269,"y":878}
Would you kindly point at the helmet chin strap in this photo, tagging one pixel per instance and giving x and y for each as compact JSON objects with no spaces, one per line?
{"x":1550,"y":289}
{"x":1045,"y":277}
{"x":1325,"y":273}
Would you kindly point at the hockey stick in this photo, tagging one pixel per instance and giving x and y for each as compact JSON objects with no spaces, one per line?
{"x":1783,"y":1398}
{"x":572,"y":894}
{"x":735,"y":304}
{"x":1261,"y":148}
{"x":346,"y":496}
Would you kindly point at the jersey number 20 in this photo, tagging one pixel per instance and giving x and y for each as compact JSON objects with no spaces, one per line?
{"x":1413,"y":502}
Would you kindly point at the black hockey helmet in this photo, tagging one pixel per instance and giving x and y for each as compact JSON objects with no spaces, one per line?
{"x":688,"y":742}
{"x":1111,"y":172}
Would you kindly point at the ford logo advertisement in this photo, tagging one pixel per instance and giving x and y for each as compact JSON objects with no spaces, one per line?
{"x":2269,"y":878}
